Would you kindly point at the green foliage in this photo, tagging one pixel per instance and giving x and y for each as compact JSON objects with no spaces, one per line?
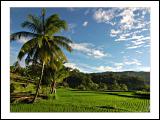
{"x":81,"y":87}
{"x":109,"y":81}
{"x":124,"y":87}
{"x":103,"y":87}
{"x":133,"y":80}
{"x":115,"y":86}
{"x":12,"y":87}
{"x":81,"y":81}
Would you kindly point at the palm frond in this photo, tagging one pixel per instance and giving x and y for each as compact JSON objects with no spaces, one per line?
{"x":27,"y":47}
{"x":22,"y":35}
{"x":31,"y":26}
{"x":33,"y":23}
{"x":55,"y":24}
{"x":62,"y":38}
{"x":62,"y":44}
{"x":57,"y":52}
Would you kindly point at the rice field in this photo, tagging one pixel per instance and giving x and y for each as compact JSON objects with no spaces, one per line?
{"x":69,"y":100}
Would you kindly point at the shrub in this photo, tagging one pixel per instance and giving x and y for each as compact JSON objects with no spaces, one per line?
{"x":124,"y":87}
{"x":81,"y":87}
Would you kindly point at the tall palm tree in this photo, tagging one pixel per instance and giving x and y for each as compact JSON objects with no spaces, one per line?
{"x":43,"y":46}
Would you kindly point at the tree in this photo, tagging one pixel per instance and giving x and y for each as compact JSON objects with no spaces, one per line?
{"x":103,"y":86}
{"x":124,"y":87}
{"x":115,"y":86}
{"x":43,"y":47}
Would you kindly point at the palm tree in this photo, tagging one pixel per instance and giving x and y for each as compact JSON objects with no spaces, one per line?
{"x":43,"y":47}
{"x":57,"y":75}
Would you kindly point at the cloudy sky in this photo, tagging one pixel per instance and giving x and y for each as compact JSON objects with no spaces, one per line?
{"x":104,"y":39}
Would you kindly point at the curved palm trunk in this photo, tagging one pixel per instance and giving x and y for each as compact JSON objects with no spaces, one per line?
{"x":39,"y":83}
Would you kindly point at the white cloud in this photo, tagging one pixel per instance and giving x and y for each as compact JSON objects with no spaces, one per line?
{"x":88,"y":49}
{"x":139,"y":52}
{"x":132,"y":62}
{"x":135,"y":41}
{"x":85,"y":23}
{"x":81,"y":67}
{"x":121,"y":38}
{"x":115,"y":67}
{"x":133,"y":47}
{"x":118,"y":66}
{"x":104,"y":68}
{"x":138,"y":41}
{"x":130,"y":25}
{"x":127,"y":16}
{"x":101,"y":15}
{"x":72,"y":65}
{"x":114,"y":33}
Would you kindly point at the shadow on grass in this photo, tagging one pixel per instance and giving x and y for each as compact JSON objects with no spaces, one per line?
{"x":112,"y":108}
{"x":134,"y":95}
{"x":106,"y":107}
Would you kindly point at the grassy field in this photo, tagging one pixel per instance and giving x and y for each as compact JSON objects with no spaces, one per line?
{"x":69,"y":100}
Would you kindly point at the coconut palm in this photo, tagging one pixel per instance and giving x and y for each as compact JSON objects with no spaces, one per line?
{"x":43,"y":46}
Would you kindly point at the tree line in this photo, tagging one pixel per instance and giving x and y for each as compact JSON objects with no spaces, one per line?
{"x":106,"y":81}
{"x":114,"y":81}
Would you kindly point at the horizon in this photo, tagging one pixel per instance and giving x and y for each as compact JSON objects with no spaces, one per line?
{"x":104,"y":39}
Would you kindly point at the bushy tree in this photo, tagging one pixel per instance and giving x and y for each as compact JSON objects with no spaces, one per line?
{"x":103,"y":86}
{"x":124,"y":87}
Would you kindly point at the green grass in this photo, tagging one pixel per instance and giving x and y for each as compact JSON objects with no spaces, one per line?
{"x":69,"y":100}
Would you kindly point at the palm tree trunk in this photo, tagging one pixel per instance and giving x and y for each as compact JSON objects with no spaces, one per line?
{"x":53,"y":87}
{"x":39,"y":83}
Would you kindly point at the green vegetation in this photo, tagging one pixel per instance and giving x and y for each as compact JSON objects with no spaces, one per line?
{"x":70,"y":100}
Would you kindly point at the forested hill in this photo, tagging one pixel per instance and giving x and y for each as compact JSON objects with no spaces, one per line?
{"x":144,"y":75}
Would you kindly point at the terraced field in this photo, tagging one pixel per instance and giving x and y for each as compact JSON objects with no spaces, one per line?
{"x":69,"y":100}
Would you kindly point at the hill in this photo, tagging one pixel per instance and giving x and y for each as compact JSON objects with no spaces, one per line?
{"x":128,"y":80}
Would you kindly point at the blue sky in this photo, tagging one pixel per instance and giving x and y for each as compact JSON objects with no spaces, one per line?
{"x":104,"y":39}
